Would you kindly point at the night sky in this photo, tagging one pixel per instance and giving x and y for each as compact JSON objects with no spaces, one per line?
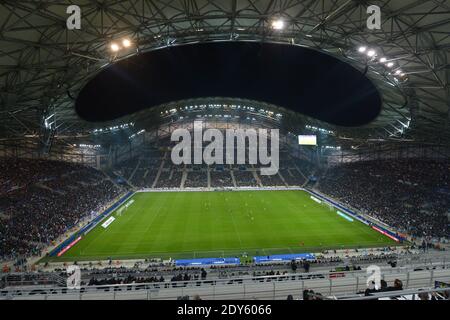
{"x":292,"y":77}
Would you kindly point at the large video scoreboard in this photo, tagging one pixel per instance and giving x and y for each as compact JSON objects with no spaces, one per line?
{"x":310,"y":140}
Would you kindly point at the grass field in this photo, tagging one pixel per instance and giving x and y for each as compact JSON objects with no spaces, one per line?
{"x":217,"y":224}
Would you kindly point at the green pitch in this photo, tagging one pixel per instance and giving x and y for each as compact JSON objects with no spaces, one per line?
{"x":217,"y":224}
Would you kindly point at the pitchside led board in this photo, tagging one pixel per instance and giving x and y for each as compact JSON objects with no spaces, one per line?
{"x":307,"y":140}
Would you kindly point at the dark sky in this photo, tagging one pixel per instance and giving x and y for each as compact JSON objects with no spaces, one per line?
{"x":296,"y":78}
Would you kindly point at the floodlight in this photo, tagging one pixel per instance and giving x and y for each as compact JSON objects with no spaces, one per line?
{"x":126,"y":43}
{"x":362,"y":49}
{"x":371,"y":53}
{"x":278,"y":24}
{"x":115,"y":47}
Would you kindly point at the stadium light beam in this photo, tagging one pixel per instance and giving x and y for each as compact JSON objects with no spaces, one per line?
{"x":278,"y":24}
{"x":362,"y":49}
{"x":126,"y":43}
{"x":115,"y":47}
{"x":371,"y":53}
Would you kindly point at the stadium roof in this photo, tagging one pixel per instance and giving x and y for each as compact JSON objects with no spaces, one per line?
{"x":43,"y":65}
{"x":293,"y":77}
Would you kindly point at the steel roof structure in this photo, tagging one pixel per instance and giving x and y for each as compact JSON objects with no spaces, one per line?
{"x":43,"y":65}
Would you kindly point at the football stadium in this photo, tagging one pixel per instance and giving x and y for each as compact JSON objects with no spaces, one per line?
{"x":225,"y":150}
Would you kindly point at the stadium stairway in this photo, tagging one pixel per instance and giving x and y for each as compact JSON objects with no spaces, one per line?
{"x":42,"y":186}
{"x":233,"y":178}
{"x":158,"y":174}
{"x":208,"y":174}
{"x":258,"y":180}
{"x":108,"y":177}
{"x":134,"y":171}
{"x":290,"y":173}
{"x":282,"y":179}
{"x":301,"y":172}
{"x":183,"y":178}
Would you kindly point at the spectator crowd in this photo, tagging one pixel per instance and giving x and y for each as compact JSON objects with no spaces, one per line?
{"x":41,"y":200}
{"x":412,"y":196}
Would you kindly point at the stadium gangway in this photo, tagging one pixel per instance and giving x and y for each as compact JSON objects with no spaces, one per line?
{"x":267,"y":287}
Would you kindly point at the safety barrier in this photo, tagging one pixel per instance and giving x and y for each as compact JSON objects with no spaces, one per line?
{"x":283,"y":257}
{"x":208,"y":262}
